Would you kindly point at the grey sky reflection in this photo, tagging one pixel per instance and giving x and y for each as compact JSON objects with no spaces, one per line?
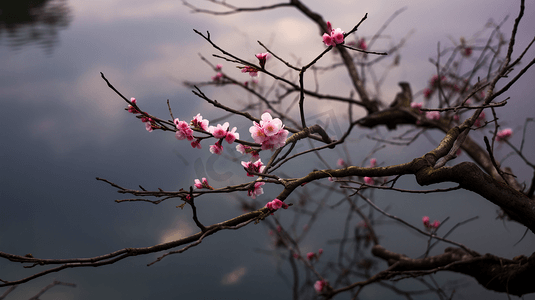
{"x":63,"y":127}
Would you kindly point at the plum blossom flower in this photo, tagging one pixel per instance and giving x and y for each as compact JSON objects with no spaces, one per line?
{"x":199,"y":123}
{"x":432,"y":115}
{"x":262,"y":57}
{"x":196,"y":144}
{"x":202,"y":184}
{"x":132,"y":109}
{"x":425,"y":220}
{"x":183,"y":130}
{"x":217,"y":77}
{"x":310,"y":255}
{"x":276,"y":204}
{"x":341,"y":163}
{"x":319,"y":285}
{"x":256,"y":167}
{"x":333,"y":37}
{"x":256,"y":190}
{"x":220,"y":131}
{"x":269,"y":125}
{"x":217,"y":148}
{"x":368,"y":180}
{"x":218,"y":67}
{"x":428,"y":225}
{"x":232,"y":136}
{"x":253,"y":72}
{"x":270,"y":132}
{"x":320,"y":251}
{"x":373,"y":162}
{"x":503,"y":135}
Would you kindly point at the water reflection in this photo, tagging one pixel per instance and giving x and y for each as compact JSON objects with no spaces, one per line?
{"x":25,"y":22}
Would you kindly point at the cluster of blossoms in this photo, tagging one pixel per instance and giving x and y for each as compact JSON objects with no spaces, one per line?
{"x":503,"y":135}
{"x":276,"y":204}
{"x":335,"y":37}
{"x":253,"y":167}
{"x":202,"y":184}
{"x":270,"y":133}
{"x":428,"y":225}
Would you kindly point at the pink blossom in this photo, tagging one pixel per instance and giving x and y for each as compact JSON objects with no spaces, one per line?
{"x":218,"y":67}
{"x":200,"y":184}
{"x":333,"y":36}
{"x":341,"y":163}
{"x":338,"y":36}
{"x":271,"y":126}
{"x":425,"y":220}
{"x":148,"y":126}
{"x":368,"y":180}
{"x":435,"y":224}
{"x":269,"y":132}
{"x":196,"y":144}
{"x":217,"y":77}
{"x":256,"y":190}
{"x":362,"y":44}
{"x":279,"y":228}
{"x":183,"y":131}
{"x":319,"y":285}
{"x":432,"y":115}
{"x":198,"y":122}
{"x":256,"y":167}
{"x":310,"y":255}
{"x":262,"y":57}
{"x":131,"y":109}
{"x":320,"y":251}
{"x":257,"y":133}
{"x":276,"y":204}
{"x":232,"y":136}
{"x":373,"y":163}
{"x":253,"y":72}
{"x":217,"y":148}
{"x":220,"y":131}
{"x":467,"y":51}
{"x":417,"y":106}
{"x":504,"y":134}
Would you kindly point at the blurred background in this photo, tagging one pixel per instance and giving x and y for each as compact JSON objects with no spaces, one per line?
{"x":62,"y":127}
